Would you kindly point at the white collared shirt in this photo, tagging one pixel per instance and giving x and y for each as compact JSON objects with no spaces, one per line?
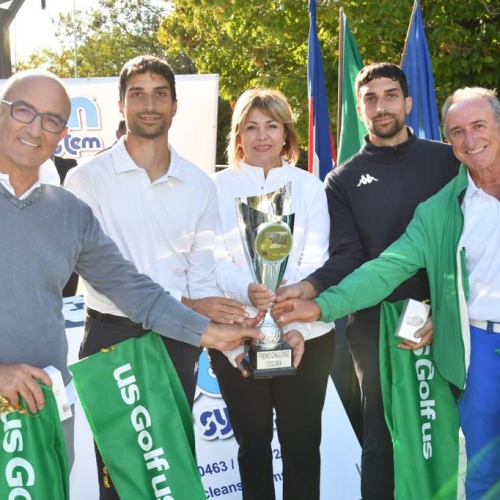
{"x":47,"y":174}
{"x":481,"y":239}
{"x":165,"y":227}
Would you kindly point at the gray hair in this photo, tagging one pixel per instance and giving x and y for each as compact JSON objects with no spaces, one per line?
{"x":469,"y":93}
{"x":33,"y":73}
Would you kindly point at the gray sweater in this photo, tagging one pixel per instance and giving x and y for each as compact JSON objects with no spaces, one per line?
{"x":43,"y":238}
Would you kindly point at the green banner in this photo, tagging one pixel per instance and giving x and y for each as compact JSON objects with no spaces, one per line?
{"x":140,"y":419}
{"x":422,"y":417}
{"x":33,"y":457}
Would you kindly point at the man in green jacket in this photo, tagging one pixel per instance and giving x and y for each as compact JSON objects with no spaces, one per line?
{"x":455,"y":236}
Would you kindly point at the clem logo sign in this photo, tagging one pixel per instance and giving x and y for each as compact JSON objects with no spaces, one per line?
{"x":85,"y":118}
{"x":95,"y":116}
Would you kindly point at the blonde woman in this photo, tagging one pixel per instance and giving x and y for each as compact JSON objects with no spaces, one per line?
{"x":262,"y":151}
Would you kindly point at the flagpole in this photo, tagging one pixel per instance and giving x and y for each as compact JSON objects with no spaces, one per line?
{"x":413,"y":12}
{"x":340,"y":72}
{"x":74,"y":34}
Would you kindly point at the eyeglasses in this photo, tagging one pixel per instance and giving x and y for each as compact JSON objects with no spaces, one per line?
{"x":23,"y":113}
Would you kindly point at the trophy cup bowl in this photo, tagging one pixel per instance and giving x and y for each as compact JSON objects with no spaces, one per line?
{"x":266,"y":227}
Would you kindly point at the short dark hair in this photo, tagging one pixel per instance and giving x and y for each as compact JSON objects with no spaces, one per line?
{"x":146,"y":64}
{"x":382,"y":70}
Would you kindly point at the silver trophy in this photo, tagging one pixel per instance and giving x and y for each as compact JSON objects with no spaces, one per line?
{"x":266,"y":227}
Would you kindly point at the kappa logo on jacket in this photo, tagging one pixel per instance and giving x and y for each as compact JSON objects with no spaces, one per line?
{"x":366,"y":179}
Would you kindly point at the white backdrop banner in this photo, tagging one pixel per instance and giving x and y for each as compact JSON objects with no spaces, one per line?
{"x":216,"y":447}
{"x":95,"y":116}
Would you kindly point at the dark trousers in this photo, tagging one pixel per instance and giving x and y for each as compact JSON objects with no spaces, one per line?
{"x":377,"y":464}
{"x":298,"y":401}
{"x":345,"y":379}
{"x":99,"y":335}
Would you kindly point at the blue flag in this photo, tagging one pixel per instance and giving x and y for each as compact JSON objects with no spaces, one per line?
{"x":416,"y":63}
{"x":321,"y":150}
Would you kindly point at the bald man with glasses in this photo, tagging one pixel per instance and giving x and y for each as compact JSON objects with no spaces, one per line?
{"x":40,"y":249}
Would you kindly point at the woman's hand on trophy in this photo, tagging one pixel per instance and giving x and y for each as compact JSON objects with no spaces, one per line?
{"x":260,"y":296}
{"x":253,"y":322}
{"x":219,"y":309}
{"x":296,"y":341}
{"x":238,"y":363}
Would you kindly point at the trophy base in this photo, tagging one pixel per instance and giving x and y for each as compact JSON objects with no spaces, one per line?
{"x":267,"y":363}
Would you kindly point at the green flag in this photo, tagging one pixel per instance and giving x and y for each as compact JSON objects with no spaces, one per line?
{"x":140,"y":419}
{"x":351,"y":129}
{"x":33,"y":457}
{"x":421,"y":414}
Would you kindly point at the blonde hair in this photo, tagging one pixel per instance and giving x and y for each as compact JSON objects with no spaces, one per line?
{"x":274,"y":104}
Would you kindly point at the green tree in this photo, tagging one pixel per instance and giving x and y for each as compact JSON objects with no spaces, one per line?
{"x":107,"y":37}
{"x":247,"y":43}
{"x":265,"y":43}
{"x":251,"y":43}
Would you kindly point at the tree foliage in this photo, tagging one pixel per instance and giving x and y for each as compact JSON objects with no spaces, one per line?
{"x":247,"y":43}
{"x":265,"y":43}
{"x":106,"y":37}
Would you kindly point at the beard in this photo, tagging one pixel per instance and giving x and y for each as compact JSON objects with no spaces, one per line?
{"x":147,"y":131}
{"x":389,"y":130}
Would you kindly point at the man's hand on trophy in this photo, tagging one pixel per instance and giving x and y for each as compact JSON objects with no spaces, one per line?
{"x":219,"y":309}
{"x":296,"y":341}
{"x":227,"y":337}
{"x":301,"y":290}
{"x":260,"y":296}
{"x":301,"y":310}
